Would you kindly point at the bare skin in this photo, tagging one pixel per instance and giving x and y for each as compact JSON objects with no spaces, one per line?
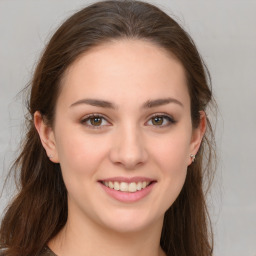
{"x":123,"y":113}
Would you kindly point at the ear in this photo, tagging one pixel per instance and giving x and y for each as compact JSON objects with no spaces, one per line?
{"x":197,"y":136}
{"x":46,"y":136}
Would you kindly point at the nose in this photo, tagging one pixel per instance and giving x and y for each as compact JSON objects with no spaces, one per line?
{"x":128,"y":148}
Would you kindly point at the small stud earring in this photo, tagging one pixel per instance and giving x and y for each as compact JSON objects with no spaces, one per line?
{"x":193,"y":157}
{"x":50,"y":156}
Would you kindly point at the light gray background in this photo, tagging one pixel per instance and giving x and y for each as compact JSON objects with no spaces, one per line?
{"x":225,"y":33}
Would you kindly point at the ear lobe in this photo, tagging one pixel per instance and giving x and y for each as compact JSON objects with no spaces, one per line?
{"x":46,"y":136}
{"x":197,"y":135}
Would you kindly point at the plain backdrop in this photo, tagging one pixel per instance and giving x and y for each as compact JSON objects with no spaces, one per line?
{"x":225,"y":33}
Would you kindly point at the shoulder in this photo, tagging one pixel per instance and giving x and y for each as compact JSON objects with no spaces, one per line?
{"x":45,"y":252}
{"x":2,"y":252}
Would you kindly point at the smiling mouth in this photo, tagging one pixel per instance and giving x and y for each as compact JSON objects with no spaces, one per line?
{"x":125,"y":186}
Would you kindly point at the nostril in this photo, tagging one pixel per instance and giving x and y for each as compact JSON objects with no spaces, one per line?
{"x":130,"y":160}
{"x":128,"y":151}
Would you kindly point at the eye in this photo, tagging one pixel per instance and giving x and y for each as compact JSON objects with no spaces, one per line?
{"x":95,"y":121}
{"x":161,"y":120}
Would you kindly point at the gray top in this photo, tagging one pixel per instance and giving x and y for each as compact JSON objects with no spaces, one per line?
{"x":47,"y":252}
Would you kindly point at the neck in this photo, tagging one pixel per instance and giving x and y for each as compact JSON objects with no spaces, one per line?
{"x":84,"y":239}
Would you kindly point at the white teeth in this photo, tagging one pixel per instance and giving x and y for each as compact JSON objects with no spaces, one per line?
{"x":132,"y":187}
{"x":139,"y":186}
{"x":144,"y":184}
{"x":126,"y":187}
{"x":123,"y":186}
{"x":116,"y":185}
{"x":110,"y":184}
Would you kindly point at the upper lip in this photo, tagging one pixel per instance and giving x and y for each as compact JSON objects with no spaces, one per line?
{"x":128,"y":179}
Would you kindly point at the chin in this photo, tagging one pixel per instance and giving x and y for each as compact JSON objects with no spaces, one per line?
{"x":130,"y":221}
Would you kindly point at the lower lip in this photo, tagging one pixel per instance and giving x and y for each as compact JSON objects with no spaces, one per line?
{"x":128,"y":197}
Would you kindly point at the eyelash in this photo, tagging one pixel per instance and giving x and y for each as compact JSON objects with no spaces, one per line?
{"x":166,"y":117}
{"x":88,"y":117}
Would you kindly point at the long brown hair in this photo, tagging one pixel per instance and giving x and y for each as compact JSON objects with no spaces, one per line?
{"x":39,"y":210}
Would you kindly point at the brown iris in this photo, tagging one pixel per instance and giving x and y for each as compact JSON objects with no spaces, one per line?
{"x":158,"y":120}
{"x":95,"y":121}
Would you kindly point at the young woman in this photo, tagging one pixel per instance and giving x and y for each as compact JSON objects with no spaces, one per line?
{"x":113,"y":160}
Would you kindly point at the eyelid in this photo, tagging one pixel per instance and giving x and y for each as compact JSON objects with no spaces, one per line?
{"x":87,"y":117}
{"x":170,"y":119}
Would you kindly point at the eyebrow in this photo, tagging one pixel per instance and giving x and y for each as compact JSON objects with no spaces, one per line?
{"x":107,"y":104}
{"x":160,"y":102}
{"x":95,"y":102}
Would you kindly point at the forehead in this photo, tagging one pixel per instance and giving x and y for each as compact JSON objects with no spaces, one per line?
{"x":123,"y":69}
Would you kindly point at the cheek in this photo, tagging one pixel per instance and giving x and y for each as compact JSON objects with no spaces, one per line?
{"x":172,"y":162}
{"x":171,"y":155}
{"x":172,"y":152}
{"x":80,"y":153}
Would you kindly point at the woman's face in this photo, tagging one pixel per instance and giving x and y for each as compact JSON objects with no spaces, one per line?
{"x":123,"y":134}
